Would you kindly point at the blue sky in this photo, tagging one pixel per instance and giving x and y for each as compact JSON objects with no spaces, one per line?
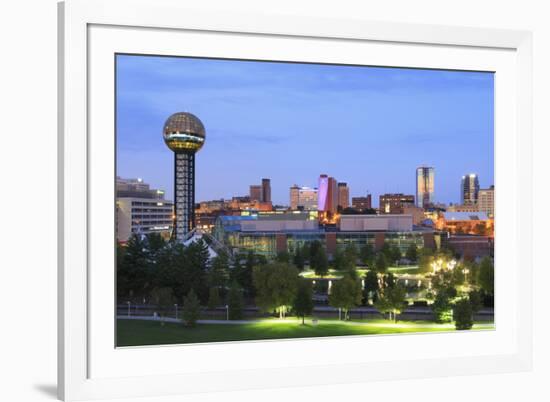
{"x":370,"y":127}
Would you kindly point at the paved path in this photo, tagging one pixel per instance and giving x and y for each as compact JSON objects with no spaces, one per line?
{"x":294,"y":320}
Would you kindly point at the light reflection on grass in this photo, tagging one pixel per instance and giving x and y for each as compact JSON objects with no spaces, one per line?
{"x":134,"y":333}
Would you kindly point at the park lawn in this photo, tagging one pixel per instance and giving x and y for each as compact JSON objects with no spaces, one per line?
{"x":412,"y":269}
{"x":137,"y":332}
{"x":334,"y":274}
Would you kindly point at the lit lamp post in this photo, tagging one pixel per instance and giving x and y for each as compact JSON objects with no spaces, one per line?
{"x":128,"y":303}
{"x":451,"y":265}
{"x":466,"y":271}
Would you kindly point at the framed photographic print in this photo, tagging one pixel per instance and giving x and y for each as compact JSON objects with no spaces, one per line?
{"x":277,"y":193}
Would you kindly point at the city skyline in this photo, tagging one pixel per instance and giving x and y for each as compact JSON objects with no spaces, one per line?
{"x":304,"y":105}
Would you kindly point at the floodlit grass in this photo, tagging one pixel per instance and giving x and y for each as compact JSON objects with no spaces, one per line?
{"x":334,"y":274}
{"x":136,"y":332}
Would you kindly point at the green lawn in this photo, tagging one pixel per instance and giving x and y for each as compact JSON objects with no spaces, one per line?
{"x":334,"y":274}
{"x":135,"y":332}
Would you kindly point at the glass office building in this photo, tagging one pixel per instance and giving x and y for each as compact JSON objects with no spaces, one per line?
{"x":425,"y":178}
{"x":469,"y":189}
{"x":231,"y":231}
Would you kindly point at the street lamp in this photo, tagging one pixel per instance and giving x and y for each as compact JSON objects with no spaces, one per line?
{"x":451,"y":265}
{"x":466,"y":271}
{"x":128,"y":303}
{"x":176,"y":306}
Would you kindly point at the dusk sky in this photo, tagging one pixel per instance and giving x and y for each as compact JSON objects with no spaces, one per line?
{"x":370,"y":127}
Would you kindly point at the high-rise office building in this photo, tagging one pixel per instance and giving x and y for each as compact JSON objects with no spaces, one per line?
{"x":486,"y":201}
{"x":256,"y":192}
{"x":469,"y":189}
{"x":266,"y":190}
{"x":136,"y":188}
{"x":343,"y":195}
{"x":394,"y":203}
{"x":141,"y":210}
{"x":303,"y":198}
{"x":362,"y":203}
{"x":327,"y":194}
{"x":425,"y":180}
{"x":184,"y":134}
{"x":294,"y":197}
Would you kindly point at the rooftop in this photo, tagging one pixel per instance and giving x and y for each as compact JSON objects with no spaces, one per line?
{"x":465,"y":216}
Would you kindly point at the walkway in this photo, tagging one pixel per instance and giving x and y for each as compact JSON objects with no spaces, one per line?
{"x":275,"y":321}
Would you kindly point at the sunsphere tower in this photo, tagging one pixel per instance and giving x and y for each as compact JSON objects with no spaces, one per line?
{"x":184,"y":134}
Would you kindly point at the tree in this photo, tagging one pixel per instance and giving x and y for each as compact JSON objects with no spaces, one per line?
{"x":338,"y":260}
{"x":389,"y":280}
{"x":392,"y":301}
{"x":371,"y":285}
{"x":192,"y":264}
{"x":380,"y":265}
{"x":303,"y":302}
{"x":486,"y":275}
{"x":367,"y":255}
{"x":442,"y":305}
{"x":299,"y":259}
{"x":219,"y":271}
{"x":235,"y":302}
{"x":276,"y":285}
{"x":319,"y":262}
{"x":134,"y":276}
{"x":350,"y":257}
{"x":243,"y":273}
{"x":412,"y":253}
{"x":346,"y":293}
{"x":191,"y":309}
{"x":163,"y":298}
{"x":476,"y":301}
{"x":306,"y":251}
{"x":283,"y":256}
{"x":463,"y":314}
{"x":154,"y":244}
{"x":214,"y":298}
{"x":425,"y":259}
{"x":395,"y":254}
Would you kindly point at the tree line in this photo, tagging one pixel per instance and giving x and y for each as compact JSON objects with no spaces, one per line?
{"x":164,"y":273}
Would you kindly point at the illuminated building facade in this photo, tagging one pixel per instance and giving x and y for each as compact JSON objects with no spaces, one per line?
{"x":256,"y":193}
{"x":343,"y":195}
{"x":245,"y":203}
{"x":394,"y":203}
{"x":266,"y":190}
{"x":469,"y":189}
{"x":463,"y":208}
{"x":184,"y":134}
{"x":136,"y":188}
{"x":471,"y":223}
{"x":362,"y":203}
{"x":141,"y":210}
{"x":303,"y":198}
{"x":327,"y":197}
{"x":425,"y":183}
{"x":271,"y":233}
{"x":486,"y":201}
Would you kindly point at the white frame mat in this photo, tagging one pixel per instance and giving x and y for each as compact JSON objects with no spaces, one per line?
{"x":91,"y":32}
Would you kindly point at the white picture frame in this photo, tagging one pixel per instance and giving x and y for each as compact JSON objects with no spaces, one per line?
{"x":91,"y":32}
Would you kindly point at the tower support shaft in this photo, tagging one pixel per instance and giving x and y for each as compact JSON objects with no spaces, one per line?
{"x":184,"y":194}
